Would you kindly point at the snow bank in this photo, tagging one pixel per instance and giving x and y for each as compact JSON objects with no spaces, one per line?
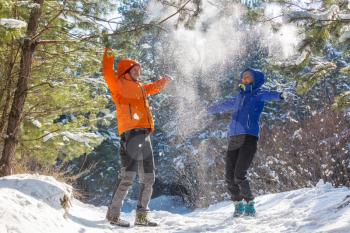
{"x":43,"y":188}
{"x":29,"y":203}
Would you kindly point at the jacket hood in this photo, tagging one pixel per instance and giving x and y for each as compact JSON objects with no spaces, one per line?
{"x":125,"y":65}
{"x":258,"y":76}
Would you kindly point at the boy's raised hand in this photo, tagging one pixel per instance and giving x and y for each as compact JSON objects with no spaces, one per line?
{"x":167,"y":77}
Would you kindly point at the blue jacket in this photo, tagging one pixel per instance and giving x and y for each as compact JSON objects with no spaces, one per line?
{"x":246,"y":107}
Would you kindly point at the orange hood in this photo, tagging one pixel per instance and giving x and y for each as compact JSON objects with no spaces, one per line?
{"x":125,"y":65}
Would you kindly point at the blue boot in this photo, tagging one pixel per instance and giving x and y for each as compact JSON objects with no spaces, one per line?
{"x":249,"y":209}
{"x":239,"y":208}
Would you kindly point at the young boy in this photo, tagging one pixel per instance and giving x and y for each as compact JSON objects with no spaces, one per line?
{"x":135,"y":125}
{"x":246,"y":108}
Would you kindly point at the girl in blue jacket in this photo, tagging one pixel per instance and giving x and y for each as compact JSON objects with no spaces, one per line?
{"x":246,"y":108}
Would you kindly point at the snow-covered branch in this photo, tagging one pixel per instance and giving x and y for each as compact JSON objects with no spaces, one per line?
{"x":331,"y":14}
{"x":12,"y":23}
{"x":345,"y":37}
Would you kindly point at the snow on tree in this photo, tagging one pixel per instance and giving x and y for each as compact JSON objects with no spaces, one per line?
{"x":12,"y":23}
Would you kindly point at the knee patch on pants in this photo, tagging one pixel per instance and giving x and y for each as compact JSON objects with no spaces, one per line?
{"x":126,"y":178}
{"x":148,"y":179}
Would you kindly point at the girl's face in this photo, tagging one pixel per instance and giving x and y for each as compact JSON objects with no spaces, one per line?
{"x":247,"y":78}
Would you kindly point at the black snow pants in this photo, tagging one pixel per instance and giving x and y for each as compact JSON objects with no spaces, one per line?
{"x":240,"y":154}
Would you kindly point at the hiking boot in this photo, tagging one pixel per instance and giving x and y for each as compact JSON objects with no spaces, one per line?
{"x":116,"y":220}
{"x":239,"y":209}
{"x":142,"y":220}
{"x":249,"y":209}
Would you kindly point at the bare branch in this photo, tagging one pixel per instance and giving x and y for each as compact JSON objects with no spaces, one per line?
{"x":177,"y":12}
{"x":49,"y":23}
{"x":41,"y":84}
{"x":93,"y":17}
{"x":35,"y":139}
{"x":45,"y":42}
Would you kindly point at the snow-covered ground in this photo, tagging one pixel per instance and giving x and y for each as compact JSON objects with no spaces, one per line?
{"x":30,"y":203}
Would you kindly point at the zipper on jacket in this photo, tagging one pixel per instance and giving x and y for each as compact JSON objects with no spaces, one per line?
{"x":248,"y":122}
{"x":144,"y":103}
{"x":242,"y":101}
{"x":130,"y":111}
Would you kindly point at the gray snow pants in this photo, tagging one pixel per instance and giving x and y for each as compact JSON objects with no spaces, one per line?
{"x":137,"y":159}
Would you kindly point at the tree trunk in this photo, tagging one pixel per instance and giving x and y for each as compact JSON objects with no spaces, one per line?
{"x":6,"y":106}
{"x":8,"y":71}
{"x":14,"y":119}
{"x":7,"y":92}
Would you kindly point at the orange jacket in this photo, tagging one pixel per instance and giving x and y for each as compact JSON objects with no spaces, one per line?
{"x":129,"y":96}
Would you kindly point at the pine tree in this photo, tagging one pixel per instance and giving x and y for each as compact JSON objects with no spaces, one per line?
{"x":50,"y":112}
{"x":324,"y":48}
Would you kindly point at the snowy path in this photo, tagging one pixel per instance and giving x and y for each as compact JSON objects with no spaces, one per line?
{"x":25,"y":208}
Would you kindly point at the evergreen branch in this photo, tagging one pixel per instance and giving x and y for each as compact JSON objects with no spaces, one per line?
{"x":342,"y":101}
{"x":94,"y":36}
{"x":49,"y":23}
{"x":329,"y":15}
{"x":291,"y":4}
{"x":58,"y":110}
{"x":54,"y":55}
{"x":143,"y":26}
{"x":309,"y":80}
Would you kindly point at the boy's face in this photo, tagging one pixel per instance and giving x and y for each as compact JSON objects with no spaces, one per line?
{"x":247,"y":78}
{"x":135,"y":72}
